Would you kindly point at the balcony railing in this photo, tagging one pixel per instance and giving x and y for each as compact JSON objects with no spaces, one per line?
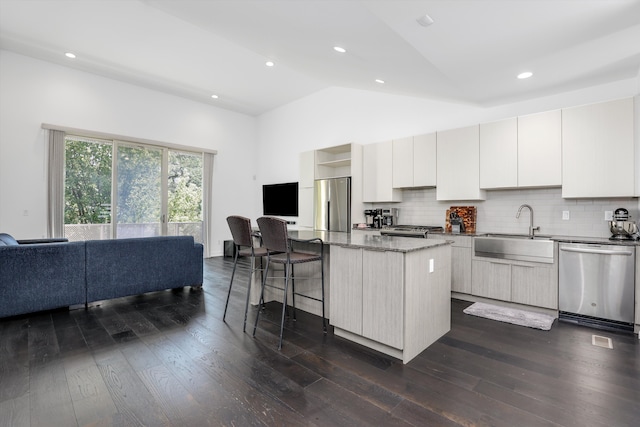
{"x":81,"y":232}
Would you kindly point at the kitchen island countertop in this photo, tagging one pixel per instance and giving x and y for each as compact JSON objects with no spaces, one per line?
{"x":369,"y":241}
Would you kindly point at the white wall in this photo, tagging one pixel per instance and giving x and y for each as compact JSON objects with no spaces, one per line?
{"x":33,"y":92}
{"x":337,"y":116}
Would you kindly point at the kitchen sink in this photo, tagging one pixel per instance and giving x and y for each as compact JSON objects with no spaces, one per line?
{"x":519,"y":247}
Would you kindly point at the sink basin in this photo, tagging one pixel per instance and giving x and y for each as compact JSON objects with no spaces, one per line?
{"x":517,"y":236}
{"x":519,"y":247}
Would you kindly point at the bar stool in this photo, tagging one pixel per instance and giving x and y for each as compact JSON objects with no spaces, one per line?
{"x":243,"y":243}
{"x":280,"y":251}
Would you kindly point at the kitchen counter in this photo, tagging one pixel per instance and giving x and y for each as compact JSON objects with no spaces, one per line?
{"x":369,"y":241}
{"x":595,"y":240}
{"x":557,"y":238}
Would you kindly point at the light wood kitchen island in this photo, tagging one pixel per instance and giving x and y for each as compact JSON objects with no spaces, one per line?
{"x":391,"y":294}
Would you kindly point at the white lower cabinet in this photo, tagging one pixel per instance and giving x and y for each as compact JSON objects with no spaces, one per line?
{"x":345,"y":278}
{"x":461,"y":269}
{"x":383,"y":297}
{"x":491,"y":280}
{"x":534,"y":285}
{"x":367,"y":294}
{"x":528,"y":283}
{"x":460,"y":261}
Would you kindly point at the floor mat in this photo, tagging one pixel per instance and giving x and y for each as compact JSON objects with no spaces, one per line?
{"x":511,"y":315}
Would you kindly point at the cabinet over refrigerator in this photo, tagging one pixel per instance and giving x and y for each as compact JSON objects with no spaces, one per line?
{"x":332,"y":204}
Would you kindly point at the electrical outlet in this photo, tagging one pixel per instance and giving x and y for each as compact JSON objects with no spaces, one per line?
{"x":608,"y":215}
{"x":431,"y":265}
{"x":565,"y":215}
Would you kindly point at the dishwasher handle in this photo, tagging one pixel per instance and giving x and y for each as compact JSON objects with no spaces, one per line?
{"x":596,"y":251}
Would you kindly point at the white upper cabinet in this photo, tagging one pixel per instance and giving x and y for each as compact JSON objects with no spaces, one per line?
{"x":540,"y":150}
{"x":522,"y":152}
{"x":424,"y":160}
{"x":307,"y":169}
{"x":403,"y":162}
{"x":598,"y":150}
{"x":414,"y":161}
{"x":458,"y":164}
{"x":499,"y":154}
{"x":305,"y":189}
{"x":377,"y":173}
{"x":305,"y":207}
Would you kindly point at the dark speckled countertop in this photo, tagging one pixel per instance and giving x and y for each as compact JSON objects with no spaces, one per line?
{"x":369,"y":241}
{"x":561,"y":239}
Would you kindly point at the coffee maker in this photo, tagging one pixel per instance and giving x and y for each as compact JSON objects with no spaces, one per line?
{"x":370,"y":217}
{"x":390,"y":217}
{"x":376,"y":218}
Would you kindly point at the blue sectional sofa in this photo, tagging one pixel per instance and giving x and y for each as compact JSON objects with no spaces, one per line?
{"x":45,"y":274}
{"x":121,"y":267}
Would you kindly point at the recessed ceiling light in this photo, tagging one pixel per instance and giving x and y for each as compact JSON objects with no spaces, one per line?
{"x":70,"y":55}
{"x":525,"y":75}
{"x":339,"y":49}
{"x":270,"y":63}
{"x":425,"y":20}
{"x":380,"y":81}
{"x":214,"y":96}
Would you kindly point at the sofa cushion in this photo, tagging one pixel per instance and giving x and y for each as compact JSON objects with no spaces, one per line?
{"x":41,"y":277}
{"x":8,"y":240}
{"x":121,"y":267}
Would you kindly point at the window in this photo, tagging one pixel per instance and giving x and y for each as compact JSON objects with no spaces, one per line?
{"x":120,"y":189}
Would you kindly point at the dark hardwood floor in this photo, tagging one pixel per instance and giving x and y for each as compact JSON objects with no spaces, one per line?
{"x":167,"y":359}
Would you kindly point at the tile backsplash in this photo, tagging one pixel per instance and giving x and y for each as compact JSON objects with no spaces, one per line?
{"x":498,"y":212}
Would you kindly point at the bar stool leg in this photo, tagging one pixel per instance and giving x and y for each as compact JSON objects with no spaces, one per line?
{"x":233,"y":272}
{"x":324,"y":321}
{"x":246,"y":304}
{"x":284,"y":303}
{"x":293,"y":292}
{"x":264,"y":281}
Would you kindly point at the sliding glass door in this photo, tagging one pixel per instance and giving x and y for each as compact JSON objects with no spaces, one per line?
{"x":117,"y":189}
{"x":87,"y":188}
{"x":139,"y":192}
{"x":184,"y":186}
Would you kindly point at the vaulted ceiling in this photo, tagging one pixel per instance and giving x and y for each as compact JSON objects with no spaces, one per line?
{"x":470,"y":53}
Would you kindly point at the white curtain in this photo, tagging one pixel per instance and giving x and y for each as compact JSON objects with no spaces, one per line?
{"x":207,"y":186}
{"x":55,"y":193}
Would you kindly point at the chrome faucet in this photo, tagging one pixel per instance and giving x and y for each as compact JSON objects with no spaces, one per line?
{"x":532,"y":229}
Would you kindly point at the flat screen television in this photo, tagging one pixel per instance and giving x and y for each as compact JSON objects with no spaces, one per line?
{"x":280,"y":199}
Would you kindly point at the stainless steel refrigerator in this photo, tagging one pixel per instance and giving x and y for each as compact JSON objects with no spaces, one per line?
{"x":333,"y":204}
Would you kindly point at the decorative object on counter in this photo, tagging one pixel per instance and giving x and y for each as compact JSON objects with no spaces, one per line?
{"x":466,"y":215}
{"x":621,"y":228}
{"x":457,"y":225}
{"x":511,"y":315}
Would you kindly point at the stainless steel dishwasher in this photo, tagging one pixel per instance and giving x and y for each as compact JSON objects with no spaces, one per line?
{"x":597,"y":281}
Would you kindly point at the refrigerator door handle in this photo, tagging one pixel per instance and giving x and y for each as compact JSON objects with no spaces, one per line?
{"x":328,"y":215}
